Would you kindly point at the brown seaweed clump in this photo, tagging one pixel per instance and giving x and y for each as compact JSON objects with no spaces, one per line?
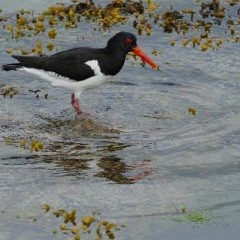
{"x":115,"y":12}
{"x":127,"y":7}
{"x":8,"y":91}
{"x":198,"y":26}
{"x":90,"y":226}
{"x":212,"y":9}
{"x":201,"y":28}
{"x":28,"y":25}
{"x":173,"y":20}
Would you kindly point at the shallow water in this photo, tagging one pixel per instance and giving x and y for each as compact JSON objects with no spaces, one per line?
{"x":140,"y":157}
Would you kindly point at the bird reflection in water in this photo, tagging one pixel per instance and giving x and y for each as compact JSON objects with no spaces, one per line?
{"x":91,"y":149}
{"x":115,"y":169}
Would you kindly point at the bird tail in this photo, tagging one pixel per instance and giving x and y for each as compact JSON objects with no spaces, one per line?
{"x":12,"y":66}
{"x":25,"y":61}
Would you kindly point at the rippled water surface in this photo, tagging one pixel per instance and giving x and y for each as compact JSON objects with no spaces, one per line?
{"x":140,"y":157}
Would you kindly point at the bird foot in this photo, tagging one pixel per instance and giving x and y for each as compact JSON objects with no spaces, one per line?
{"x":83,"y":116}
{"x":75,"y":103}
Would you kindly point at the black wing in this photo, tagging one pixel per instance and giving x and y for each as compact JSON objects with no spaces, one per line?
{"x":70,"y":63}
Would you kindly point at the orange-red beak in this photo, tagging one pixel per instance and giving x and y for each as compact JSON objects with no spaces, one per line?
{"x":139,"y":52}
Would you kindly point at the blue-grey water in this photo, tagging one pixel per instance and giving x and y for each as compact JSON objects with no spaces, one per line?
{"x":141,"y":157}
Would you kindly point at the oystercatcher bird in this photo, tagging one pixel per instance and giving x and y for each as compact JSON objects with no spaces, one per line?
{"x":82,"y":68}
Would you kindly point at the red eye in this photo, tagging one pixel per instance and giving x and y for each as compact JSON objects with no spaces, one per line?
{"x":127,"y":41}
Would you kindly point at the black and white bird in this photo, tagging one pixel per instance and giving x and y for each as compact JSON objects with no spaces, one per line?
{"x":82,"y":68}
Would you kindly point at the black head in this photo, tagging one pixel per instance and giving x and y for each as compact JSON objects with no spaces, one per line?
{"x":124,"y":40}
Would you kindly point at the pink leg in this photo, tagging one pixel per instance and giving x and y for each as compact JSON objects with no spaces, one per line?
{"x":75,"y":104}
